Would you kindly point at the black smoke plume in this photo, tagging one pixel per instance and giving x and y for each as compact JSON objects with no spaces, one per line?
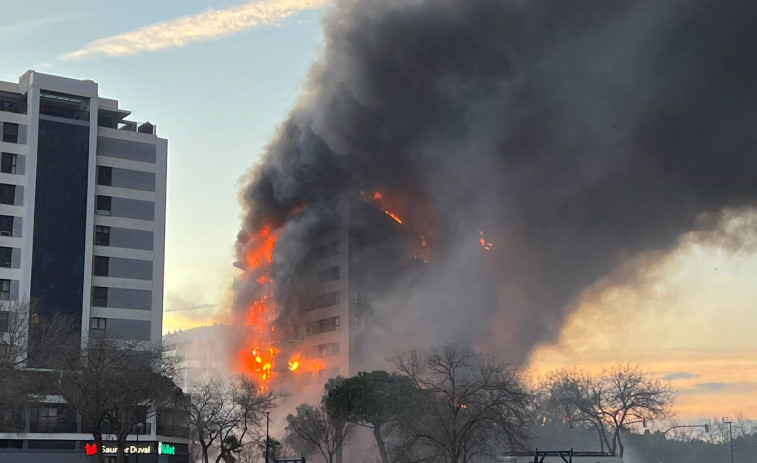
{"x":576,"y":134}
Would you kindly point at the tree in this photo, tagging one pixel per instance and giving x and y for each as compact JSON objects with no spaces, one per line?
{"x":469,"y":406}
{"x":224,"y":412}
{"x":374,"y":400}
{"x":316,"y":427}
{"x":112,"y":384}
{"x":17,"y":384}
{"x":611,"y":401}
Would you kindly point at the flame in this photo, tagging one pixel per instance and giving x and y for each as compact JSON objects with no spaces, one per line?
{"x":377,"y":199}
{"x":485,"y":244}
{"x":294,"y":363}
{"x":258,"y":356}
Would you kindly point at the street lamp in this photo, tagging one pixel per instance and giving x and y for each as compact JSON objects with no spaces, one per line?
{"x":137,"y":430}
{"x":705,"y":426}
{"x":730,"y":436}
{"x":268,"y":439}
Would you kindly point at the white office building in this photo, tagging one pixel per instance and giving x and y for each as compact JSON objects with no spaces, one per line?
{"x":82,"y":206}
{"x":82,"y":225}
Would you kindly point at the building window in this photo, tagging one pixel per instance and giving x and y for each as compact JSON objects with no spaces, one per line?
{"x":328,"y":250}
{"x":10,"y":132}
{"x":320,"y":301}
{"x":330,"y":274}
{"x":6,"y":257}
{"x":47,"y":418}
{"x":104,"y":175}
{"x":100,"y":296}
{"x":330,"y":349}
{"x":103,"y":205}
{"x":6,"y":225}
{"x":5,"y":290}
{"x":5,"y":318}
{"x":97,"y":323}
{"x":8,"y":163}
{"x":102,"y":236}
{"x":7,"y":193}
{"x":101,"y":266}
{"x":323,"y":326}
{"x":325,"y":375}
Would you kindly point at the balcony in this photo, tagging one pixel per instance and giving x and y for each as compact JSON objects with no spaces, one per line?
{"x":12,"y":103}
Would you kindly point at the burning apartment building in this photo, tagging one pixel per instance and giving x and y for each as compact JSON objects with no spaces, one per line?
{"x":323,"y":320}
{"x":553,"y":136}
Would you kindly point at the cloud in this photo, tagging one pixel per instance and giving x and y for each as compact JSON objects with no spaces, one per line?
{"x":712,"y":386}
{"x":212,"y":24}
{"x":680,"y":375}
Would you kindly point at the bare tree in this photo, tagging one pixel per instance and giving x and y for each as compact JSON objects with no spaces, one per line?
{"x":316,"y":427}
{"x":112,"y":384}
{"x":17,"y":385}
{"x":470,"y":406}
{"x":742,"y":427}
{"x":224,"y":414}
{"x":613,"y":400}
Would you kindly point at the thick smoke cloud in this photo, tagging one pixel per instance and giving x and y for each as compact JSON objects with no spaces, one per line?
{"x":576,"y":134}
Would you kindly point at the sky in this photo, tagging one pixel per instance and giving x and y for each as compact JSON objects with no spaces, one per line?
{"x":218,"y":77}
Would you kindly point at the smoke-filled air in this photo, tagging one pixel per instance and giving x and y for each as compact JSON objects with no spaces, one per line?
{"x":525,"y":149}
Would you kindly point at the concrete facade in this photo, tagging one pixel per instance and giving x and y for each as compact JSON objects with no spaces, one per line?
{"x":82,"y":219}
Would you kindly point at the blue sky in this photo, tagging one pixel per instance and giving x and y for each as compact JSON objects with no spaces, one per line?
{"x":219,"y":99}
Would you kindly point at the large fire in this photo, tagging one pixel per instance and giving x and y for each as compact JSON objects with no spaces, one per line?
{"x":257,"y":357}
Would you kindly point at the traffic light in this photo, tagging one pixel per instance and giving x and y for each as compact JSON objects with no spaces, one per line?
{"x":643,"y":422}
{"x":570,"y":422}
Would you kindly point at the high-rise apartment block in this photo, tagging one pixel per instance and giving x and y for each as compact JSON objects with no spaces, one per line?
{"x":330,"y":321}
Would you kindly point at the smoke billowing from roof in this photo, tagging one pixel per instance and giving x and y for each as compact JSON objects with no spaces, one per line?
{"x":576,"y":134}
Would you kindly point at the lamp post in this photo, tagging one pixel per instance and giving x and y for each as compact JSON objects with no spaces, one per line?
{"x":268,"y":439}
{"x":137,"y":430}
{"x":730,"y":436}
{"x":705,"y":426}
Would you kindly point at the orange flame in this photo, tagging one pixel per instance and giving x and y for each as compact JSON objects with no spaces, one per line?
{"x":294,"y":363}
{"x":377,"y":199}
{"x":258,"y":357}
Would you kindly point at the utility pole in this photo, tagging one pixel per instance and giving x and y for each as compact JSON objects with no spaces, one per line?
{"x":268,"y":439}
{"x":730,"y":436}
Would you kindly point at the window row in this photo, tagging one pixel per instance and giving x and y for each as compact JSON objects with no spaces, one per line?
{"x":117,"y":328}
{"x":330,"y":349}
{"x":119,"y":267}
{"x":123,"y":238}
{"x":125,"y":178}
{"x":323,"y":326}
{"x":329,"y":274}
{"x":328,"y":250}
{"x":126,"y":208}
{"x":121,"y":298}
{"x":320,"y":301}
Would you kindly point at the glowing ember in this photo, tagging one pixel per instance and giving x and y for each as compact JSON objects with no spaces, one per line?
{"x":485,"y":244}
